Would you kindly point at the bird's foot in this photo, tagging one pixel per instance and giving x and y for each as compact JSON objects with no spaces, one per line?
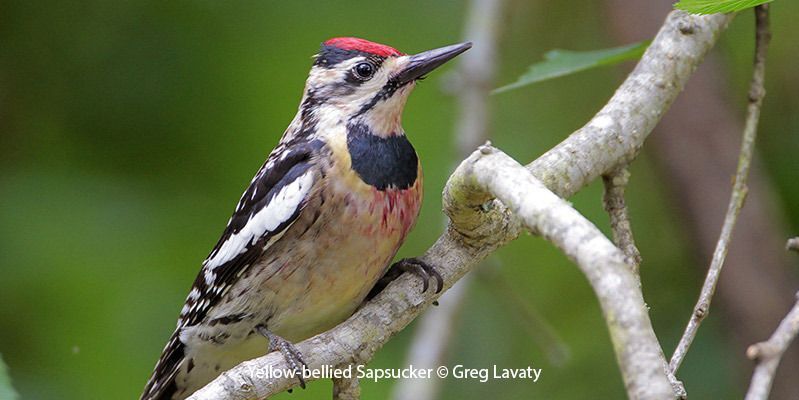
{"x":414,"y":266}
{"x":421,"y":269}
{"x":289,"y":351}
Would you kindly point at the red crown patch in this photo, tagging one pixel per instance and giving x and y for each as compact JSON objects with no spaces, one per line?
{"x":353,"y":43}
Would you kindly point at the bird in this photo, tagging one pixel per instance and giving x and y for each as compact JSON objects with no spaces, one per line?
{"x":318,"y":225}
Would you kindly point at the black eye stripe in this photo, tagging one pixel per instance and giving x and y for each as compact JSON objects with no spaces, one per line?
{"x":385,"y":92}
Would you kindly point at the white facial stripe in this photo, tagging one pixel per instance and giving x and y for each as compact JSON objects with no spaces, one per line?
{"x":322,"y":76}
{"x":278,"y":211}
{"x":385,"y":117}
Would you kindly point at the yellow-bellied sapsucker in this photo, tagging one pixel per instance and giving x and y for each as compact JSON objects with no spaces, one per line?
{"x":318,"y":225}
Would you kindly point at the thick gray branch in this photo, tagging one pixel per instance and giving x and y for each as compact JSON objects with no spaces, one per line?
{"x":618,"y":131}
{"x":611,"y":138}
{"x":613,"y":280}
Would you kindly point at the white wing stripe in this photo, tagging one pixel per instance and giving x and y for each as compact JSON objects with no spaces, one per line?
{"x":210,"y":277}
{"x":277,"y":211}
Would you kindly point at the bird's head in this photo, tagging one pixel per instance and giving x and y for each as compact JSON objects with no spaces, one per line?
{"x":357,"y":81}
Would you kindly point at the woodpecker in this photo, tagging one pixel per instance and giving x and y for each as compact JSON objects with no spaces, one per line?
{"x":318,"y":225}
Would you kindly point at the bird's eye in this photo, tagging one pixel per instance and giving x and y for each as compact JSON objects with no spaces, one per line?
{"x":364,"y":70}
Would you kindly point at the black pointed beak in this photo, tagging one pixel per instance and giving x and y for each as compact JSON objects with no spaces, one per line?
{"x":422,"y":63}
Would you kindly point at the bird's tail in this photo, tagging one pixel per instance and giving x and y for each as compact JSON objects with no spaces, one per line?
{"x":161,"y":385}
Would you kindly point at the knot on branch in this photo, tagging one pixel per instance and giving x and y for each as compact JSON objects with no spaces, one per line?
{"x":475,"y":217}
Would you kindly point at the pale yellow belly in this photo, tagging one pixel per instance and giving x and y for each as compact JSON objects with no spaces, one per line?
{"x":350,"y":252}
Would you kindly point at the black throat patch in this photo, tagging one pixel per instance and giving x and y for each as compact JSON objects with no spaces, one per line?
{"x":382,"y":162}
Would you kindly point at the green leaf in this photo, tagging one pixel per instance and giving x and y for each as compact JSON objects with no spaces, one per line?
{"x":717,"y":6}
{"x":6,"y":391}
{"x":558,"y":63}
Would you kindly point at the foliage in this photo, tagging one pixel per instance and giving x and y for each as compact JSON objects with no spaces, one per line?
{"x":717,"y":6}
{"x":559,"y":63}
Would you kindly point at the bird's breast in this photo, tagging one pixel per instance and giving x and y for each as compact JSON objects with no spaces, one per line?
{"x":365,"y":204}
{"x":384,"y":214}
{"x":341,"y":256}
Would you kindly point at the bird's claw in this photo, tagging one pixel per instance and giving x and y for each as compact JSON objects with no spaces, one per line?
{"x":289,"y":351}
{"x":414,"y":266}
{"x":423,"y":270}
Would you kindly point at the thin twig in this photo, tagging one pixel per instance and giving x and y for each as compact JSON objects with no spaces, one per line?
{"x":739,"y":190}
{"x":768,"y":354}
{"x":616,"y":207}
{"x":615,"y":183}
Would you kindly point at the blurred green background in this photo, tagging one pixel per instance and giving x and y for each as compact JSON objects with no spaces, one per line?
{"x":128,"y":130}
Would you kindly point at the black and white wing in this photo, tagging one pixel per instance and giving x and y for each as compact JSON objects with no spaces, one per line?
{"x":272,"y":202}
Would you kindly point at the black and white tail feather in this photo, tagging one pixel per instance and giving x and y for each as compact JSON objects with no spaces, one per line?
{"x":273,"y":201}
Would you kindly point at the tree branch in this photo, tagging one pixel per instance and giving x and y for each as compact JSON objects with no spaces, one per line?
{"x":615,"y":183}
{"x":477,"y":228}
{"x":739,"y":190}
{"x":346,"y":388}
{"x":768,"y":355}
{"x":617,"y":288}
{"x":616,"y":207}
